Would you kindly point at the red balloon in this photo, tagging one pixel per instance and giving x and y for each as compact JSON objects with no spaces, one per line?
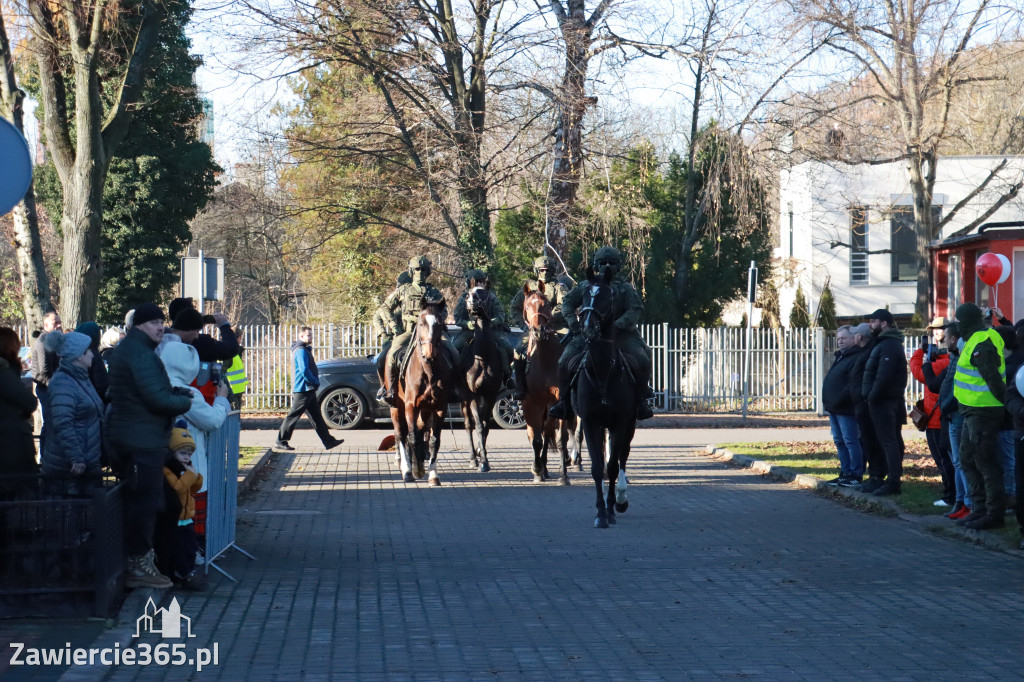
{"x":989,"y":268}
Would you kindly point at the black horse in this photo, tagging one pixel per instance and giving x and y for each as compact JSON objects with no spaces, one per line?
{"x":605,"y":398}
{"x":482,"y":367}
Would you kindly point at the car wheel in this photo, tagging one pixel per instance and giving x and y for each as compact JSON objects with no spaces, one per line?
{"x":343,"y":408}
{"x":508,"y":412}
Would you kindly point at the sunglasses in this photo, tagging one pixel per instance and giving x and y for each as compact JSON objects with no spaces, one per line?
{"x":420,"y":269}
{"x":607,"y":262}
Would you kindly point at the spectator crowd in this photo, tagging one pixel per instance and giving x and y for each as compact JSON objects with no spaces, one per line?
{"x":141,"y":400}
{"x":972,"y":412}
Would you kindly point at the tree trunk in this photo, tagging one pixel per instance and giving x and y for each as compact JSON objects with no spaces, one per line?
{"x":567,"y":166}
{"x":28,"y":247}
{"x":692,"y":216}
{"x":921,"y":185}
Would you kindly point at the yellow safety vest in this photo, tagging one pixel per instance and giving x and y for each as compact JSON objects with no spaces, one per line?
{"x":235,"y":374}
{"x":968,"y":386}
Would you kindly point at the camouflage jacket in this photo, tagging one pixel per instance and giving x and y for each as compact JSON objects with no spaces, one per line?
{"x":556,"y":292}
{"x":386,"y":323}
{"x":492,"y":307}
{"x":627,"y":305}
{"x":405,"y":302}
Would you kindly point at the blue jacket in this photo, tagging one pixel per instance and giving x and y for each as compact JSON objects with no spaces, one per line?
{"x":305,"y":376}
{"x":73,"y":422}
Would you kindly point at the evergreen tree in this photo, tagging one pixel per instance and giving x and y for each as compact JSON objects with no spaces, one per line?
{"x":827,"y":310}
{"x":798,"y":316}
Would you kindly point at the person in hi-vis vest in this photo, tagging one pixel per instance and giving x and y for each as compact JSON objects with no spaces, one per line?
{"x":234,"y":374}
{"x":980,"y":388}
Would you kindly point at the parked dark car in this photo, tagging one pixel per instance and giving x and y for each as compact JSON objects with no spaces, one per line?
{"x":348,"y":396}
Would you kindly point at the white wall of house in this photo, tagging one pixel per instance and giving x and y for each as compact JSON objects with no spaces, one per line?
{"x":817,"y":199}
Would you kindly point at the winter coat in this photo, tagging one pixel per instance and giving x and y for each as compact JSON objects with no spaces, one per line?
{"x":73,"y":432}
{"x":142,"y":404}
{"x":185,"y":484}
{"x":931,"y":398}
{"x":885,"y":374}
{"x":212,"y":350}
{"x":201,"y":418}
{"x":1015,"y":406}
{"x":44,"y":362}
{"x":856,"y":374}
{"x":18,"y":454}
{"x":305,"y":375}
{"x":835,"y":390}
{"x":948,"y":405}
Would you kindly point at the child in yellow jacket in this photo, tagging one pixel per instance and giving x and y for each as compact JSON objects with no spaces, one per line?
{"x":182,"y":477}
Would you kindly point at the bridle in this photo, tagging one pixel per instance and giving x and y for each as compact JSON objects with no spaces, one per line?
{"x":539,"y":319}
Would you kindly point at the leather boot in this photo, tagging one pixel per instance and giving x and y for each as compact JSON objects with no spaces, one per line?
{"x":563,"y":408}
{"x":519,"y":375}
{"x":890,"y":487}
{"x":391,"y":396}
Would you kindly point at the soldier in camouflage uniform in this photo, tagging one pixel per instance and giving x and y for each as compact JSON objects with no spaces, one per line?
{"x":545,"y":269}
{"x":627,"y":307}
{"x":386,"y":325}
{"x":492,"y":309}
{"x":406,"y":303}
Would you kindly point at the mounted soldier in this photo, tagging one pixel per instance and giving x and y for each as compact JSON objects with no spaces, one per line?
{"x":492,"y":309}
{"x":386,"y":324}
{"x":405,"y":304}
{"x":628,"y":307}
{"x":545,"y":270}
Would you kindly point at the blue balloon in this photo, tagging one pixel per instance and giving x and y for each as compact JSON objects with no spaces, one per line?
{"x":15,"y":166}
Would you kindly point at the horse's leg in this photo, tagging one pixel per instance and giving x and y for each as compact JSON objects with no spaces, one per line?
{"x":622,"y":444}
{"x":575,"y":427}
{"x":482,"y":429}
{"x":594,"y":435}
{"x":467,"y":424}
{"x":612,"y":470}
{"x":402,"y":453}
{"x":435,"y":426}
{"x":534,"y":435}
{"x":419,"y":441}
{"x":563,"y":451}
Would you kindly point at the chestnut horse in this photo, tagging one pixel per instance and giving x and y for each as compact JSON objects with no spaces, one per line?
{"x":606,"y":398}
{"x":423,"y":391}
{"x":542,"y":352}
{"x":483,"y":367}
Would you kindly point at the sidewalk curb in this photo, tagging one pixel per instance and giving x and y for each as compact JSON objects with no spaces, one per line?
{"x":884,"y":505}
{"x":249,"y":480}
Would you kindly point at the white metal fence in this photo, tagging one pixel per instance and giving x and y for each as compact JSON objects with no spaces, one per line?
{"x":695,"y":370}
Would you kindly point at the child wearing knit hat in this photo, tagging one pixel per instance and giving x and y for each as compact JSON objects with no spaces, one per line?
{"x":179,"y":551}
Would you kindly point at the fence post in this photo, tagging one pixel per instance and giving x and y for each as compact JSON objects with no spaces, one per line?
{"x":665,"y":373}
{"x":819,"y":369}
{"x":330,"y":337}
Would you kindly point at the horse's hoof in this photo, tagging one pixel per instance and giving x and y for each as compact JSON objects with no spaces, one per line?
{"x":408,"y":477}
{"x":485,"y":467}
{"x":434,"y":482}
{"x":474,"y":462}
{"x":621,"y":506}
{"x":579,"y":466}
{"x":611,"y":519}
{"x":564,"y":480}
{"x":600,"y":522}
{"x":537,"y":478}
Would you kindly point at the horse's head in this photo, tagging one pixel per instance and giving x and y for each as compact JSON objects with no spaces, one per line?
{"x":596,"y":313}
{"x":475,"y":301}
{"x":429,"y":327}
{"x":536,"y":310}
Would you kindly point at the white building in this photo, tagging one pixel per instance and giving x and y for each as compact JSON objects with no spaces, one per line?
{"x":852,"y":226}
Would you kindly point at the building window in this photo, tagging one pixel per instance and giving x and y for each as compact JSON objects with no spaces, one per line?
{"x":954,"y":288}
{"x":903,"y":244}
{"x":859,"y":245}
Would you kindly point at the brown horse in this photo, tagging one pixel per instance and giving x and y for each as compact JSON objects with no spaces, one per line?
{"x":542,"y":352}
{"x":423,"y":393}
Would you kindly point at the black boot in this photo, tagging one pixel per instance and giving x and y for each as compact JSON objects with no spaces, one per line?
{"x":563,"y":408}
{"x":643,"y":410}
{"x":890,"y":487}
{"x":391,"y":397}
{"x":519,"y":375}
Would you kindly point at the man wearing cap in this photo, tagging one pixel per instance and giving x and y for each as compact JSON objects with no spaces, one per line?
{"x":980,"y":387}
{"x":885,"y":380}
{"x":926,"y":364}
{"x":874,"y":458}
{"x":143,"y":406}
{"x":187,"y":323}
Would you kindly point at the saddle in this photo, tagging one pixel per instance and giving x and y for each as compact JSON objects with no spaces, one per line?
{"x":576,"y":363}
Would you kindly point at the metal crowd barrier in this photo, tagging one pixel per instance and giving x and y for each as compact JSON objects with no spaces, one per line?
{"x":222,"y":492}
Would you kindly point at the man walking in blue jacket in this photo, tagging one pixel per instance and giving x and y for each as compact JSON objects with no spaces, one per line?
{"x":305,"y":380}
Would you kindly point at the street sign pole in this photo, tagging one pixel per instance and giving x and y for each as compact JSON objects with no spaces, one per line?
{"x":202,"y":283}
{"x":751,"y":295}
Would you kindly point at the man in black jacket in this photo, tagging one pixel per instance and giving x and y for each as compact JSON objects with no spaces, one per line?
{"x":885,"y":381}
{"x":187,"y":323}
{"x":143,"y":406}
{"x":874,"y":457}
{"x":836,"y":398}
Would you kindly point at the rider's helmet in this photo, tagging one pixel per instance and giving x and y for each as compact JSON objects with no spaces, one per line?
{"x":479,"y":276}
{"x":419,"y":269}
{"x":545,"y":267}
{"x":608,"y":257}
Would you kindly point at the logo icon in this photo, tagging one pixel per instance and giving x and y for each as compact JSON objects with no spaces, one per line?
{"x":164,"y":622}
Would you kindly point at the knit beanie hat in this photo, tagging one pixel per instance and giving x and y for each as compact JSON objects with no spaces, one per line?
{"x":68,"y":346}
{"x":92,"y":330}
{"x":147,"y":312}
{"x":181,"y":438}
{"x":969,"y":315}
{"x":188,"y":320}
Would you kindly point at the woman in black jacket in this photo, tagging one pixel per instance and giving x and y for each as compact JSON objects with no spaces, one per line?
{"x":18,"y":454}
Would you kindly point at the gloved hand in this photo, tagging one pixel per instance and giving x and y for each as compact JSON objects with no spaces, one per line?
{"x":471,"y":325}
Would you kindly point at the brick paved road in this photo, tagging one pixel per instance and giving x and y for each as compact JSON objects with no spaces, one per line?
{"x":713,"y":573}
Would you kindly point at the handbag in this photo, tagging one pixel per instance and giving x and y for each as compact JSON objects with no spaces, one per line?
{"x":920,"y":417}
